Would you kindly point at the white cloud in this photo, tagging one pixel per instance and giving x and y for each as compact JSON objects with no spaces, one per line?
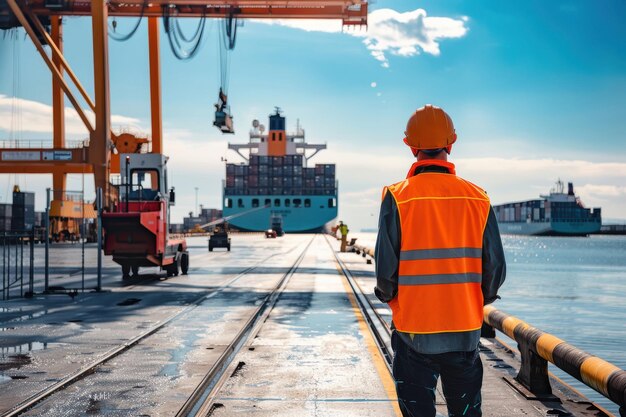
{"x":195,"y":162}
{"x":36,"y":117}
{"x":403,"y":34}
{"x":546,"y":165}
{"x":362,"y":198}
{"x":602,"y":191}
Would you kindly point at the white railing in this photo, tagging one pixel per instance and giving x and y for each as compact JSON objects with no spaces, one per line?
{"x":40,"y":144}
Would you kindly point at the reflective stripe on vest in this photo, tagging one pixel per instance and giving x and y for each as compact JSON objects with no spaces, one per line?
{"x":442,"y":219}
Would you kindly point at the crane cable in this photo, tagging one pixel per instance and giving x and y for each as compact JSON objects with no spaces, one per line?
{"x":176,"y":24}
{"x":176,"y":36}
{"x":122,"y":38}
{"x":15,"y":124}
{"x":229,"y":30}
{"x":227,"y":40}
{"x":16,"y":107}
{"x":15,"y":132}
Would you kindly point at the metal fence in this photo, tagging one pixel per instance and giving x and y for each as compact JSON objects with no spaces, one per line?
{"x":71,"y":254}
{"x":17,"y":263}
{"x":44,"y":261}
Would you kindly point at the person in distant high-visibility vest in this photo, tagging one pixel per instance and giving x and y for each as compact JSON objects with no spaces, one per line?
{"x":439,"y":260}
{"x":343,"y":230}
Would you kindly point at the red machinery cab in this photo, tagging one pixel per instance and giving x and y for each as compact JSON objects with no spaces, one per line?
{"x":137,"y":230}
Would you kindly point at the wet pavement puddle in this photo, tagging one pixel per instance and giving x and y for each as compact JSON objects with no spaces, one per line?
{"x":24,"y":317}
{"x":129,"y":302}
{"x":24,"y":347}
{"x":16,"y":356}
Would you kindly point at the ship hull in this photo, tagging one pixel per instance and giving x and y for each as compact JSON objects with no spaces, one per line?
{"x":313,"y":218}
{"x":554,"y":228}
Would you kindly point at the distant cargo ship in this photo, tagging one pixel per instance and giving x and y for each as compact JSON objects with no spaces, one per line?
{"x":275,"y":186}
{"x":556,"y":214}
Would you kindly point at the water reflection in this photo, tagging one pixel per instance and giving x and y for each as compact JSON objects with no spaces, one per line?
{"x":23,"y":348}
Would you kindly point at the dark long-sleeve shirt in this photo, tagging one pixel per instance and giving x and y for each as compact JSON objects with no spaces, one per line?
{"x":387,"y":255}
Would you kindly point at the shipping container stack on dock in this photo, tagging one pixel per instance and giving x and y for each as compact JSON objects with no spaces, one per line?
{"x":5,"y":217}
{"x":23,"y":211}
{"x":205,"y":216}
{"x":20,"y":215}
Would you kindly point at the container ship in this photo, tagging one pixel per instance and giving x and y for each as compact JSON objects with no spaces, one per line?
{"x":556,"y":214}
{"x":274,"y":188}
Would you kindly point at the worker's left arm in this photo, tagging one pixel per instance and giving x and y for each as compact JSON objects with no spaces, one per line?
{"x":494,"y":264}
{"x":387,"y":252}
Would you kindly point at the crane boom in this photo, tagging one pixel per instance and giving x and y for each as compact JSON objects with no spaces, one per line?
{"x":351,"y":12}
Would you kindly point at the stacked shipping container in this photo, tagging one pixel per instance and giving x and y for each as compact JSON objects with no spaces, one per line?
{"x":206,"y":215}
{"x":5,"y":217}
{"x":23,"y":212}
{"x":279,"y":175}
{"x":545,"y":211}
{"x":532,"y":210}
{"x":20,"y":216}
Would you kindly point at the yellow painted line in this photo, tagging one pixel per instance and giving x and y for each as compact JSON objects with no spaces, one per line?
{"x":379,"y":362}
{"x":596,"y":372}
{"x":546,"y":344}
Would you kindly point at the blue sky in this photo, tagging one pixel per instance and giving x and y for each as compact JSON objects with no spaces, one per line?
{"x":537,"y":91}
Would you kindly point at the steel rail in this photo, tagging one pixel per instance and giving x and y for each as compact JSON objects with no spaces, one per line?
{"x":201,"y":399}
{"x":112,"y":353}
{"x":379,"y":327}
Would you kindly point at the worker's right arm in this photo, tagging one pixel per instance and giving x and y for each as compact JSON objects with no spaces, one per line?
{"x":387,"y":251}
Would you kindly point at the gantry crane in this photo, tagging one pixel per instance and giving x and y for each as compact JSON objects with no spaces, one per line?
{"x":42,"y":21}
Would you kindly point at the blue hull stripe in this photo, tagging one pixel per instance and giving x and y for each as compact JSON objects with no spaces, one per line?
{"x":295,"y":219}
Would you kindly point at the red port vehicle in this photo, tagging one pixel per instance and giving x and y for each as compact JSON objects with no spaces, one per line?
{"x":136,"y":231}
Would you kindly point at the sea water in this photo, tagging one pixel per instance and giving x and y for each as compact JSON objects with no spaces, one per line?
{"x":572,"y":287}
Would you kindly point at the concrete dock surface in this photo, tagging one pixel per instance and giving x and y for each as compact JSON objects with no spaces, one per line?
{"x":313,"y":354}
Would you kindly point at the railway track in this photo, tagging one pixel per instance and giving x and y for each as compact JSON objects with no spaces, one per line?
{"x":201,"y":401}
{"x":259,"y":315}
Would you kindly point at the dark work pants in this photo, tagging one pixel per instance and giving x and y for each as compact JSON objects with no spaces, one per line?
{"x":416,"y":377}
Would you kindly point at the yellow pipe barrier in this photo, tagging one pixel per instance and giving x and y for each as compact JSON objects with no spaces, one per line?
{"x":537,"y":348}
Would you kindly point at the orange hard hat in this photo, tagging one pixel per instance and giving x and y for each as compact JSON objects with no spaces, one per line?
{"x":429,"y":128}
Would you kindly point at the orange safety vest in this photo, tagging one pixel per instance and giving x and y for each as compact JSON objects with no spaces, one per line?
{"x":442,"y":219}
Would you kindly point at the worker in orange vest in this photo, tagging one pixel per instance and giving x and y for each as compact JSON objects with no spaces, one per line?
{"x":439,"y":260}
